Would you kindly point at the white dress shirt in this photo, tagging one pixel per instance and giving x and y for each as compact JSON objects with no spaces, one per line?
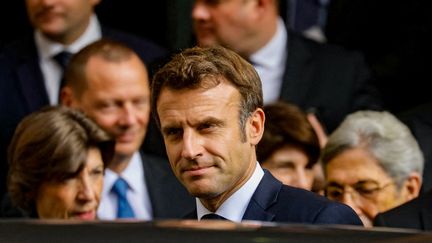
{"x":46,"y":48}
{"x":269,"y":62}
{"x":235,"y":206}
{"x":137,"y":196}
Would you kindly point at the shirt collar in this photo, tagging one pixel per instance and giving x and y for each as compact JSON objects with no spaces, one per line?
{"x":274,"y":52}
{"x":235,"y":206}
{"x":133,"y":170}
{"x":48,"y":48}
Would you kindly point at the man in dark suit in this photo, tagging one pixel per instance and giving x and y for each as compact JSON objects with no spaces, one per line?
{"x":419,"y":121}
{"x":415,"y":214}
{"x":30,"y":76}
{"x":108,"y":81}
{"x":208,"y":103}
{"x":322,"y":78}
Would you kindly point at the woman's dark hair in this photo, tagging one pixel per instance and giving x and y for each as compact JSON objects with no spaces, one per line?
{"x":51,"y":145}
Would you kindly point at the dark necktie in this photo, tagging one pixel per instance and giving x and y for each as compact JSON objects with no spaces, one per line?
{"x":62,"y":59}
{"x":213,"y":216}
{"x":124,"y":209}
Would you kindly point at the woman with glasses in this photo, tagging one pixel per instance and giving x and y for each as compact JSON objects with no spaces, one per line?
{"x":372,"y":163}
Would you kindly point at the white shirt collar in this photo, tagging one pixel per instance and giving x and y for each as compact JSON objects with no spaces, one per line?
{"x":133,"y":170}
{"x":235,"y":206}
{"x":273,"y":53}
{"x":138,"y":195}
{"x":48,"y":48}
{"x":270,"y":61}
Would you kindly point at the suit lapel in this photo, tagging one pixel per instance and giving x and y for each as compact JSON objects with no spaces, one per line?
{"x":298,"y":72}
{"x":32,"y":86}
{"x":30,"y":78}
{"x":154,"y":174}
{"x":264,"y":197}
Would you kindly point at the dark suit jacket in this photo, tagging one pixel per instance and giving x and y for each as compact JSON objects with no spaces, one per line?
{"x":168,"y":197}
{"x":419,"y":120}
{"x":22,"y":88}
{"x":328,"y":79}
{"x":415,"y":214}
{"x":275,"y":202}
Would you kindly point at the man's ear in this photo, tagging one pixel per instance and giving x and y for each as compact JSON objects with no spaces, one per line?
{"x":256,"y":123}
{"x":67,"y":97}
{"x":412,"y":186}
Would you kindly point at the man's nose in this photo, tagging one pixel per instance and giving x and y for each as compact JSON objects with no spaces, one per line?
{"x":192,"y":147}
{"x":128,"y":115}
{"x":349,"y":198}
{"x":200,"y":11}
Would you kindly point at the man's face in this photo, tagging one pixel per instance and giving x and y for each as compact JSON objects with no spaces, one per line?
{"x":366,"y":187}
{"x":288,"y":164}
{"x":229,"y":23}
{"x":74,"y":198}
{"x":117,"y":99}
{"x":60,"y":19}
{"x":203,"y":139}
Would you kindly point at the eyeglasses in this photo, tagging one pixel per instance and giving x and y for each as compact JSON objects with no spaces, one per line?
{"x":367,"y":189}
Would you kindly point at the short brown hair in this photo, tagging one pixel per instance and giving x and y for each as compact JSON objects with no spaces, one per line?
{"x":287,"y":124}
{"x":109,"y":50}
{"x":51,"y":145}
{"x":206,"y":67}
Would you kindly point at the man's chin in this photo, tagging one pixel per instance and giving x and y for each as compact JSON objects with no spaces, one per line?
{"x":206,"y":41}
{"x":126,"y":149}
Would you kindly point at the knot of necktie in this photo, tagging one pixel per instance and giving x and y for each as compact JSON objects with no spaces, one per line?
{"x":62,"y":58}
{"x":213,"y":216}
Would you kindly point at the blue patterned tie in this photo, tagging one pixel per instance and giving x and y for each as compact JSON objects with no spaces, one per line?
{"x":124,"y":209}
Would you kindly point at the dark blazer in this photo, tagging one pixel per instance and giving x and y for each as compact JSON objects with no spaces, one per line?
{"x":415,"y":214}
{"x":275,"y":202}
{"x":22,"y":88}
{"x":328,"y":79}
{"x":419,"y":121}
{"x":168,"y":197}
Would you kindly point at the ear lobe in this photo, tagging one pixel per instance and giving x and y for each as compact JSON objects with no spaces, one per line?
{"x":412,"y":185}
{"x":66,"y":97}
{"x":256,"y":121}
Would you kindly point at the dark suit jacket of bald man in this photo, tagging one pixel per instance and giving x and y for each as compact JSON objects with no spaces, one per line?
{"x":328,"y":79}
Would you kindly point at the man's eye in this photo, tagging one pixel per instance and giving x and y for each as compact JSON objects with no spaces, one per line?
{"x":334,"y":193}
{"x":173,"y":132}
{"x":106,"y":107}
{"x":205,"y":126}
{"x":140,"y":102}
{"x":365,"y":191}
{"x":212,"y":2}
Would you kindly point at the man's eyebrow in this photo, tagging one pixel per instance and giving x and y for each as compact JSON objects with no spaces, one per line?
{"x":169,"y":127}
{"x":212,"y":120}
{"x":335,"y":184}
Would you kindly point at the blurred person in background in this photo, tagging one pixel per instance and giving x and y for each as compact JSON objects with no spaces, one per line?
{"x":372,"y":163}
{"x":109,"y":82}
{"x":289,"y":148}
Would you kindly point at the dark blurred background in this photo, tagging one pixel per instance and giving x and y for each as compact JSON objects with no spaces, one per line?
{"x":394,"y":35}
